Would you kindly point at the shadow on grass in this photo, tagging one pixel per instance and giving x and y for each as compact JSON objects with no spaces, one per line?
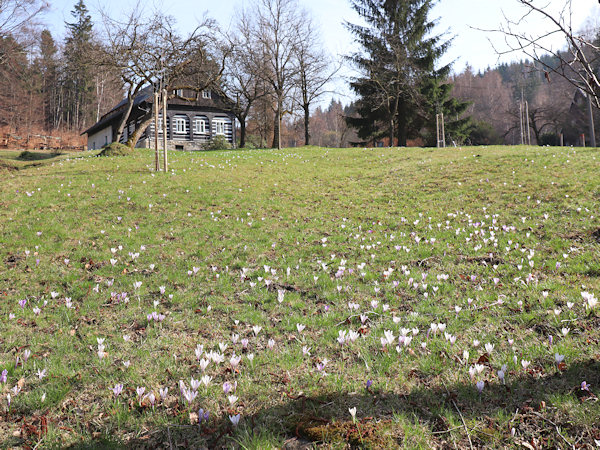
{"x":540,"y":410}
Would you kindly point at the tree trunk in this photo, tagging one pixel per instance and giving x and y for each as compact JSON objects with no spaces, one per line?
{"x":124,"y":118}
{"x":139,"y":130}
{"x":402,"y":133}
{"x":306,"y":124}
{"x":392,"y":126}
{"x":242,"y":132}
{"x":276,"y":130}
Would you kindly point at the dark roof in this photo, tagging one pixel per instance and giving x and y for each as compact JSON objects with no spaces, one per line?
{"x":145,"y":94}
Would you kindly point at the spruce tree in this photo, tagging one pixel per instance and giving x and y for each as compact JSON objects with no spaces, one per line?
{"x":78,"y":70}
{"x":48,"y":66}
{"x":397,"y":62}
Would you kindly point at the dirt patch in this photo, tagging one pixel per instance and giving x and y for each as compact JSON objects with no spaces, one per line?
{"x":364,"y":433}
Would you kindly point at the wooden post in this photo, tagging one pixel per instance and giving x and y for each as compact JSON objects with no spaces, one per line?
{"x":443,"y":132}
{"x":521,"y":120}
{"x":164,"y":107}
{"x":156,"y":151}
{"x":527,"y":122}
{"x":582,"y":139}
{"x":437,"y":129}
{"x":562,"y":140}
{"x":591,"y":120}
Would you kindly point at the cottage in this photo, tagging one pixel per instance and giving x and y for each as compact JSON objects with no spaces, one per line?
{"x":190,"y":123}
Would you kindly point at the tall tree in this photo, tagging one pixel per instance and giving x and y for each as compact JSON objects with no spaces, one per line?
{"x":48,"y":66}
{"x":79,"y":75}
{"x":243,"y":80}
{"x":275,"y":30}
{"x":399,"y":52}
{"x":314,"y":69}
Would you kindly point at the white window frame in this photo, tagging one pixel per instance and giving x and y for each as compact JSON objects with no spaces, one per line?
{"x":219,"y":126}
{"x":206,"y":94}
{"x":179,"y":125}
{"x":200,"y":125}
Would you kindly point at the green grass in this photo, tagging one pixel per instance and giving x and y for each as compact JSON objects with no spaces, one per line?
{"x":11,"y":160}
{"x":461,"y":223}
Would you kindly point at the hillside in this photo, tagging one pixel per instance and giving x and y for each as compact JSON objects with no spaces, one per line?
{"x":448,"y":295}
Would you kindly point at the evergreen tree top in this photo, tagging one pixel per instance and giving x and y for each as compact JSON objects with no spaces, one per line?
{"x":81,"y":29}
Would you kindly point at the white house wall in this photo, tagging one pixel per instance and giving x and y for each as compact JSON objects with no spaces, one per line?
{"x":100,"y":138}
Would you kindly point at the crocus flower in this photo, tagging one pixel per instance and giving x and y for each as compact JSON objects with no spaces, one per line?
{"x":189,"y":395}
{"x":117,"y":389}
{"x":352,"y":412}
{"x":480,"y":385}
{"x":235,"y":420}
{"x":163,"y":392}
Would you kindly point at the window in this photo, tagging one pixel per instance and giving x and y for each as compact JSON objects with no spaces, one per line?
{"x":179,"y":92}
{"x":206,"y":94}
{"x":200,"y":125}
{"x":179,"y":124}
{"x":219,"y":126}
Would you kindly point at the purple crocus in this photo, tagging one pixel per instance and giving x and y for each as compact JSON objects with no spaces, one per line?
{"x":4,"y":376}
{"x":584,"y":386}
{"x":369,"y":383}
{"x":203,"y":416}
{"x":22,"y":303}
{"x":117,"y":389}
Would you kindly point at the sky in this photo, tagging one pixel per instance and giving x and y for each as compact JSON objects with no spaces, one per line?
{"x":461,"y":20}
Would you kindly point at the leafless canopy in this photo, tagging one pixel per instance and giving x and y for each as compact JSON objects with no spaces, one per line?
{"x":577,"y":62}
{"x":149,"y":51}
{"x":15,"y":14}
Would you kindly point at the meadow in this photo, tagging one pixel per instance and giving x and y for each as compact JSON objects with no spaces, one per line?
{"x":330,"y":298}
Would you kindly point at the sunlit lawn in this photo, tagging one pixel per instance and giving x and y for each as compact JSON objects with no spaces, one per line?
{"x":447,"y":295}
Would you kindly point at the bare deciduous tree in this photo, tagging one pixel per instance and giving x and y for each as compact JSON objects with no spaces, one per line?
{"x":314,"y":69}
{"x":14,"y":14}
{"x":243,"y":81}
{"x":149,"y":51}
{"x":275,"y":30}
{"x":577,"y":63}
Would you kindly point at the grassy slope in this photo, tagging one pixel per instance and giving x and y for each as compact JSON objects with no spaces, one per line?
{"x":302,"y":208}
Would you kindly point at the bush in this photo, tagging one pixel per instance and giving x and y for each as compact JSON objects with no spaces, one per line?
{"x":217,"y":143}
{"x":116,"y":149}
{"x":36,"y":156}
{"x":551,"y":139}
{"x":484,"y":134}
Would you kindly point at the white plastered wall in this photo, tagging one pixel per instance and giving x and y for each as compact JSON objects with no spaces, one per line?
{"x":100,"y":138}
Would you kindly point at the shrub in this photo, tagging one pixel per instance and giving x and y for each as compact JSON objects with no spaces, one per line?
{"x":36,"y":156}
{"x":217,"y":143}
{"x":116,"y":149}
{"x":551,"y":139}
